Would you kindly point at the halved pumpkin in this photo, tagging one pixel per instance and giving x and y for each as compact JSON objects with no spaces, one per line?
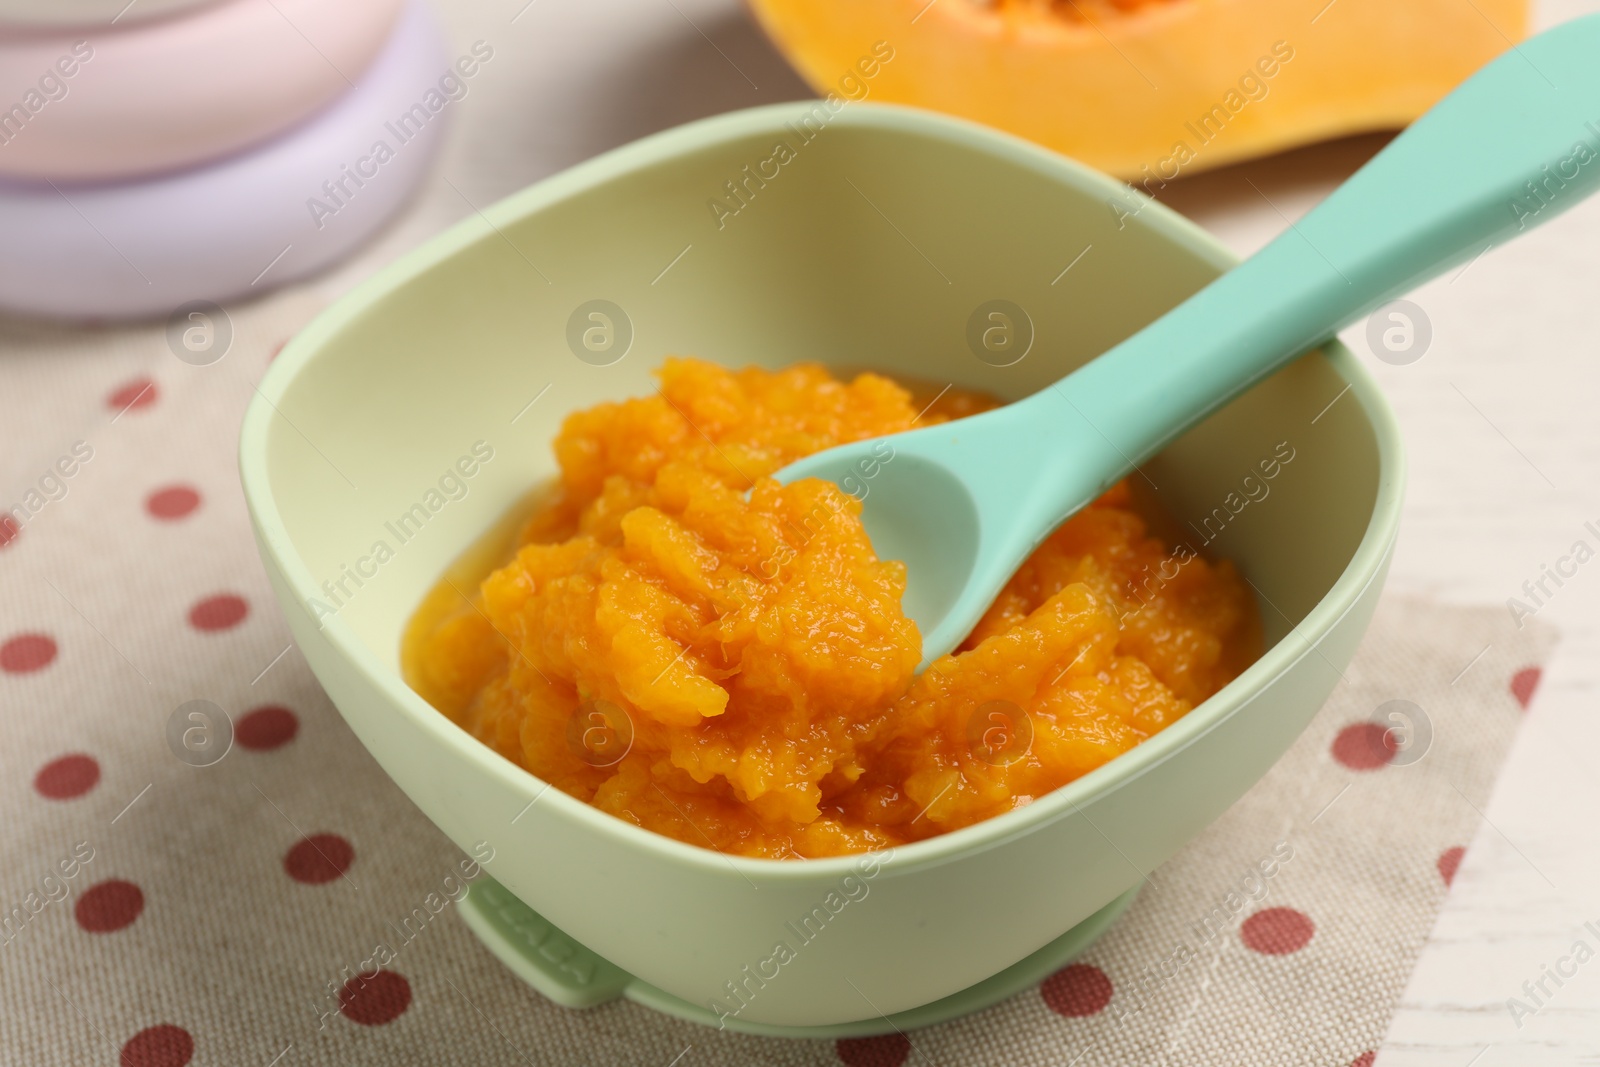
{"x":1145,"y":88}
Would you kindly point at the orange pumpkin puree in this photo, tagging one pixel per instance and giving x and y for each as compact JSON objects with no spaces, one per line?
{"x":737,"y":672}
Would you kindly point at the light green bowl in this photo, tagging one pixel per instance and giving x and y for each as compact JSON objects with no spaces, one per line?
{"x":871,"y":246}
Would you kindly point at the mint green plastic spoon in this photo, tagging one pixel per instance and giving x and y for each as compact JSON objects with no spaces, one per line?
{"x":964,"y":504}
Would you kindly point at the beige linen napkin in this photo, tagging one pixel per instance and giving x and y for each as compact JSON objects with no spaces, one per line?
{"x":154,"y":913}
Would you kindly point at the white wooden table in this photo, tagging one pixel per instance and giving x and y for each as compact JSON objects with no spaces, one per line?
{"x":1500,"y":417}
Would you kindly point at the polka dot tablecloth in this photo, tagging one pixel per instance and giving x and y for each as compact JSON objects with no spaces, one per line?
{"x":155,"y":913}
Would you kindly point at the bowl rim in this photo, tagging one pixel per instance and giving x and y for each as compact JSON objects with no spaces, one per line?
{"x":1365,"y":566}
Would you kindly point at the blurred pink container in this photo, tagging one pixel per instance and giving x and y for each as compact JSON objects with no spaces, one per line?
{"x":245,"y":224}
{"x":89,"y":13}
{"x":96,"y":103}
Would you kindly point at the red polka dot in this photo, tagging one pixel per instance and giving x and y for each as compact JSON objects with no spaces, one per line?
{"x":108,"y":906}
{"x":1524,"y":682}
{"x":888,"y":1050}
{"x":1277,"y":931}
{"x":139,"y":393}
{"x":1077,"y":990}
{"x":158,"y":1046}
{"x":1364,"y":746}
{"x":9,"y":530}
{"x":375,"y":999}
{"x":1450,"y":862}
{"x":221,"y":612}
{"x":266,"y":728}
{"x":173,"y":502}
{"x":67,"y":777}
{"x":27,"y":652}
{"x":1364,"y":1060}
{"x":318,"y":858}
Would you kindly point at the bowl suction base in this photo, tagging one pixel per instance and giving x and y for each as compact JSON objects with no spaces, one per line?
{"x":574,"y":977}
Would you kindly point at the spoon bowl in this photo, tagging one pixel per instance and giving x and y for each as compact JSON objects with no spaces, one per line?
{"x":949,"y":524}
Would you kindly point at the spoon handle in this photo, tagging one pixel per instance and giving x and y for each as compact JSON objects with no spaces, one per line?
{"x":1514,"y":145}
